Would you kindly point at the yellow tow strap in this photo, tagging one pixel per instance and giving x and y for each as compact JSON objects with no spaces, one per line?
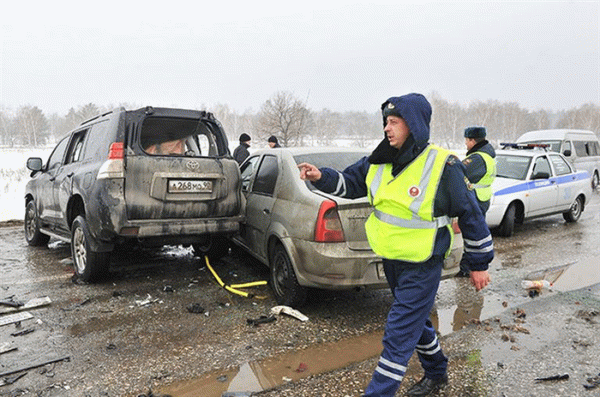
{"x":234,"y":287}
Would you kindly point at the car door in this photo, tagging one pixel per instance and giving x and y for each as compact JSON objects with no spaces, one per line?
{"x":260,"y":199}
{"x":62,"y":186}
{"x":543,"y":192}
{"x":47,"y":206}
{"x":566,"y":182}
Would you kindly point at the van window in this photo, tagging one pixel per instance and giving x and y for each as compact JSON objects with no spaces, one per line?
{"x":567,"y":146}
{"x":580,"y":148}
{"x":592,"y":148}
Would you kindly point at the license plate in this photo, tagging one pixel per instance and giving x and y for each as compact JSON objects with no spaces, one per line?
{"x":380,"y":272}
{"x":189,"y":186}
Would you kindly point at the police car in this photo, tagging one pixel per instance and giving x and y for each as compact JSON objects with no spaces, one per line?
{"x":532,"y":182}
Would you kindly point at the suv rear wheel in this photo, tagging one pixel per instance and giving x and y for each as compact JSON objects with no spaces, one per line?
{"x":89,"y":265}
{"x":215,"y":247}
{"x":32,"y":227}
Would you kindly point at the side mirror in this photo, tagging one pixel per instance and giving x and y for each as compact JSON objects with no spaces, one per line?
{"x":567,"y":153}
{"x":541,"y":175}
{"x":35,"y":164}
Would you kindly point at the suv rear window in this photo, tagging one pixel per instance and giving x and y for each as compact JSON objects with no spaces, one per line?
{"x":178,"y":137}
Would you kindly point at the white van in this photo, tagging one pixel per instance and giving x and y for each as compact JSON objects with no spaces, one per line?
{"x":580,"y":147}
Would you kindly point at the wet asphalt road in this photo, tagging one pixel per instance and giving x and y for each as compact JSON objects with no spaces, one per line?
{"x":134,"y":332}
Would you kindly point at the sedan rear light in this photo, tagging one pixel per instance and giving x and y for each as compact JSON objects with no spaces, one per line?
{"x":113,"y":167}
{"x":329,"y":225}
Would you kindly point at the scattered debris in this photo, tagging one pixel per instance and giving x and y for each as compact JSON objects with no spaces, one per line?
{"x":23,"y":332}
{"x":149,"y":300}
{"x":66,"y":358}
{"x":77,"y":305}
{"x":152,"y":394}
{"x":552,"y":378}
{"x":519,"y":313}
{"x":168,"y":288}
{"x":195,"y":308}
{"x":588,"y":315}
{"x":33,"y":303}
{"x":9,"y":380}
{"x":222,"y":378}
{"x":593,"y":382}
{"x":261,"y":320}
{"x":6,"y":347}
{"x":15,"y":318}
{"x":289,"y":311}
{"x":10,"y":302}
{"x":302,"y":367}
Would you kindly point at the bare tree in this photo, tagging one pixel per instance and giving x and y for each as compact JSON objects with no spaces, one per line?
{"x":282,"y":115}
{"x":586,"y":117}
{"x":32,"y":125}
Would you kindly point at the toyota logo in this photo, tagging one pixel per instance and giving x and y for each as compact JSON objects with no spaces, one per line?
{"x":192,"y":165}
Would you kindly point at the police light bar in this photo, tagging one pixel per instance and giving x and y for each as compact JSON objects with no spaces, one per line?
{"x":524,"y":145}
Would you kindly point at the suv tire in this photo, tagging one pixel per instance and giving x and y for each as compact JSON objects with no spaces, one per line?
{"x":33,"y":235}
{"x":88,"y":264}
{"x":215,"y":247}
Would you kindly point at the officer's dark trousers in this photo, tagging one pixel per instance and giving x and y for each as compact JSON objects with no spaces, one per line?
{"x":408,"y":326}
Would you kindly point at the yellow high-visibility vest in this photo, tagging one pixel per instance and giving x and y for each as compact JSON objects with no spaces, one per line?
{"x":483,"y":188}
{"x":402,"y":225}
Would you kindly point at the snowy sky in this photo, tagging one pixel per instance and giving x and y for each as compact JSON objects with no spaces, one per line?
{"x":348,"y":55}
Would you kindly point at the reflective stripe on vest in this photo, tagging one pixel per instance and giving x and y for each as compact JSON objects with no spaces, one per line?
{"x":402,"y":225}
{"x":483,"y":188}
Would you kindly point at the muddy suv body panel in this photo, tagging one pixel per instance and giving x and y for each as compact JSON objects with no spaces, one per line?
{"x":153,"y":175}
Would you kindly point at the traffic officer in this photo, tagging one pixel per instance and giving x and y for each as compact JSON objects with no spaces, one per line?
{"x":415,"y":188}
{"x":480,"y":172}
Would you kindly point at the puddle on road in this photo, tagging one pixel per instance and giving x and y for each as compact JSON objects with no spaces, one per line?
{"x":268,"y":373}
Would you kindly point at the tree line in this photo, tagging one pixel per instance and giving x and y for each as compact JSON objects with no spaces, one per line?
{"x":293,"y":123}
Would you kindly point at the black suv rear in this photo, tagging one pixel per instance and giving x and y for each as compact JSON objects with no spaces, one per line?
{"x":154,"y":176}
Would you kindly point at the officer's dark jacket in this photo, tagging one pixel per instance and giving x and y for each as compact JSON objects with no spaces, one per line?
{"x":476,"y":168}
{"x":453,"y":198}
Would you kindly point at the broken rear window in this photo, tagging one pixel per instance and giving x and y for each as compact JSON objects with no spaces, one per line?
{"x":182,"y":137}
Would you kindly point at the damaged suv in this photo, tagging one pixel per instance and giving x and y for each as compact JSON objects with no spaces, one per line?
{"x":152,"y":176}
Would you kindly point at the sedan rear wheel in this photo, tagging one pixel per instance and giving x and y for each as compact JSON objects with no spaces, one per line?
{"x":32,"y":227}
{"x":573,"y":214}
{"x":89,"y":265}
{"x":283,"y":279}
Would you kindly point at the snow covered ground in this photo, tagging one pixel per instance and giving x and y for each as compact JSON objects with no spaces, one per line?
{"x":13,"y":178}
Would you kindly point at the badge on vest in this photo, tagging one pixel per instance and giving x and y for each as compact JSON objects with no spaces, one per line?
{"x":414,"y":191}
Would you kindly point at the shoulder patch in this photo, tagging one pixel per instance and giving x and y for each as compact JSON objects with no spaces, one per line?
{"x":451,"y":160}
{"x":467,"y":161}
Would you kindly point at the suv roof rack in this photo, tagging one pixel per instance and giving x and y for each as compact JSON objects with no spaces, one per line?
{"x":526,"y":146}
{"x":121,"y":109}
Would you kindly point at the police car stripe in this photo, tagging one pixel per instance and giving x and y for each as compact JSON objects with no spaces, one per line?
{"x":541,"y":183}
{"x":389,"y":374}
{"x":392,"y":364}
